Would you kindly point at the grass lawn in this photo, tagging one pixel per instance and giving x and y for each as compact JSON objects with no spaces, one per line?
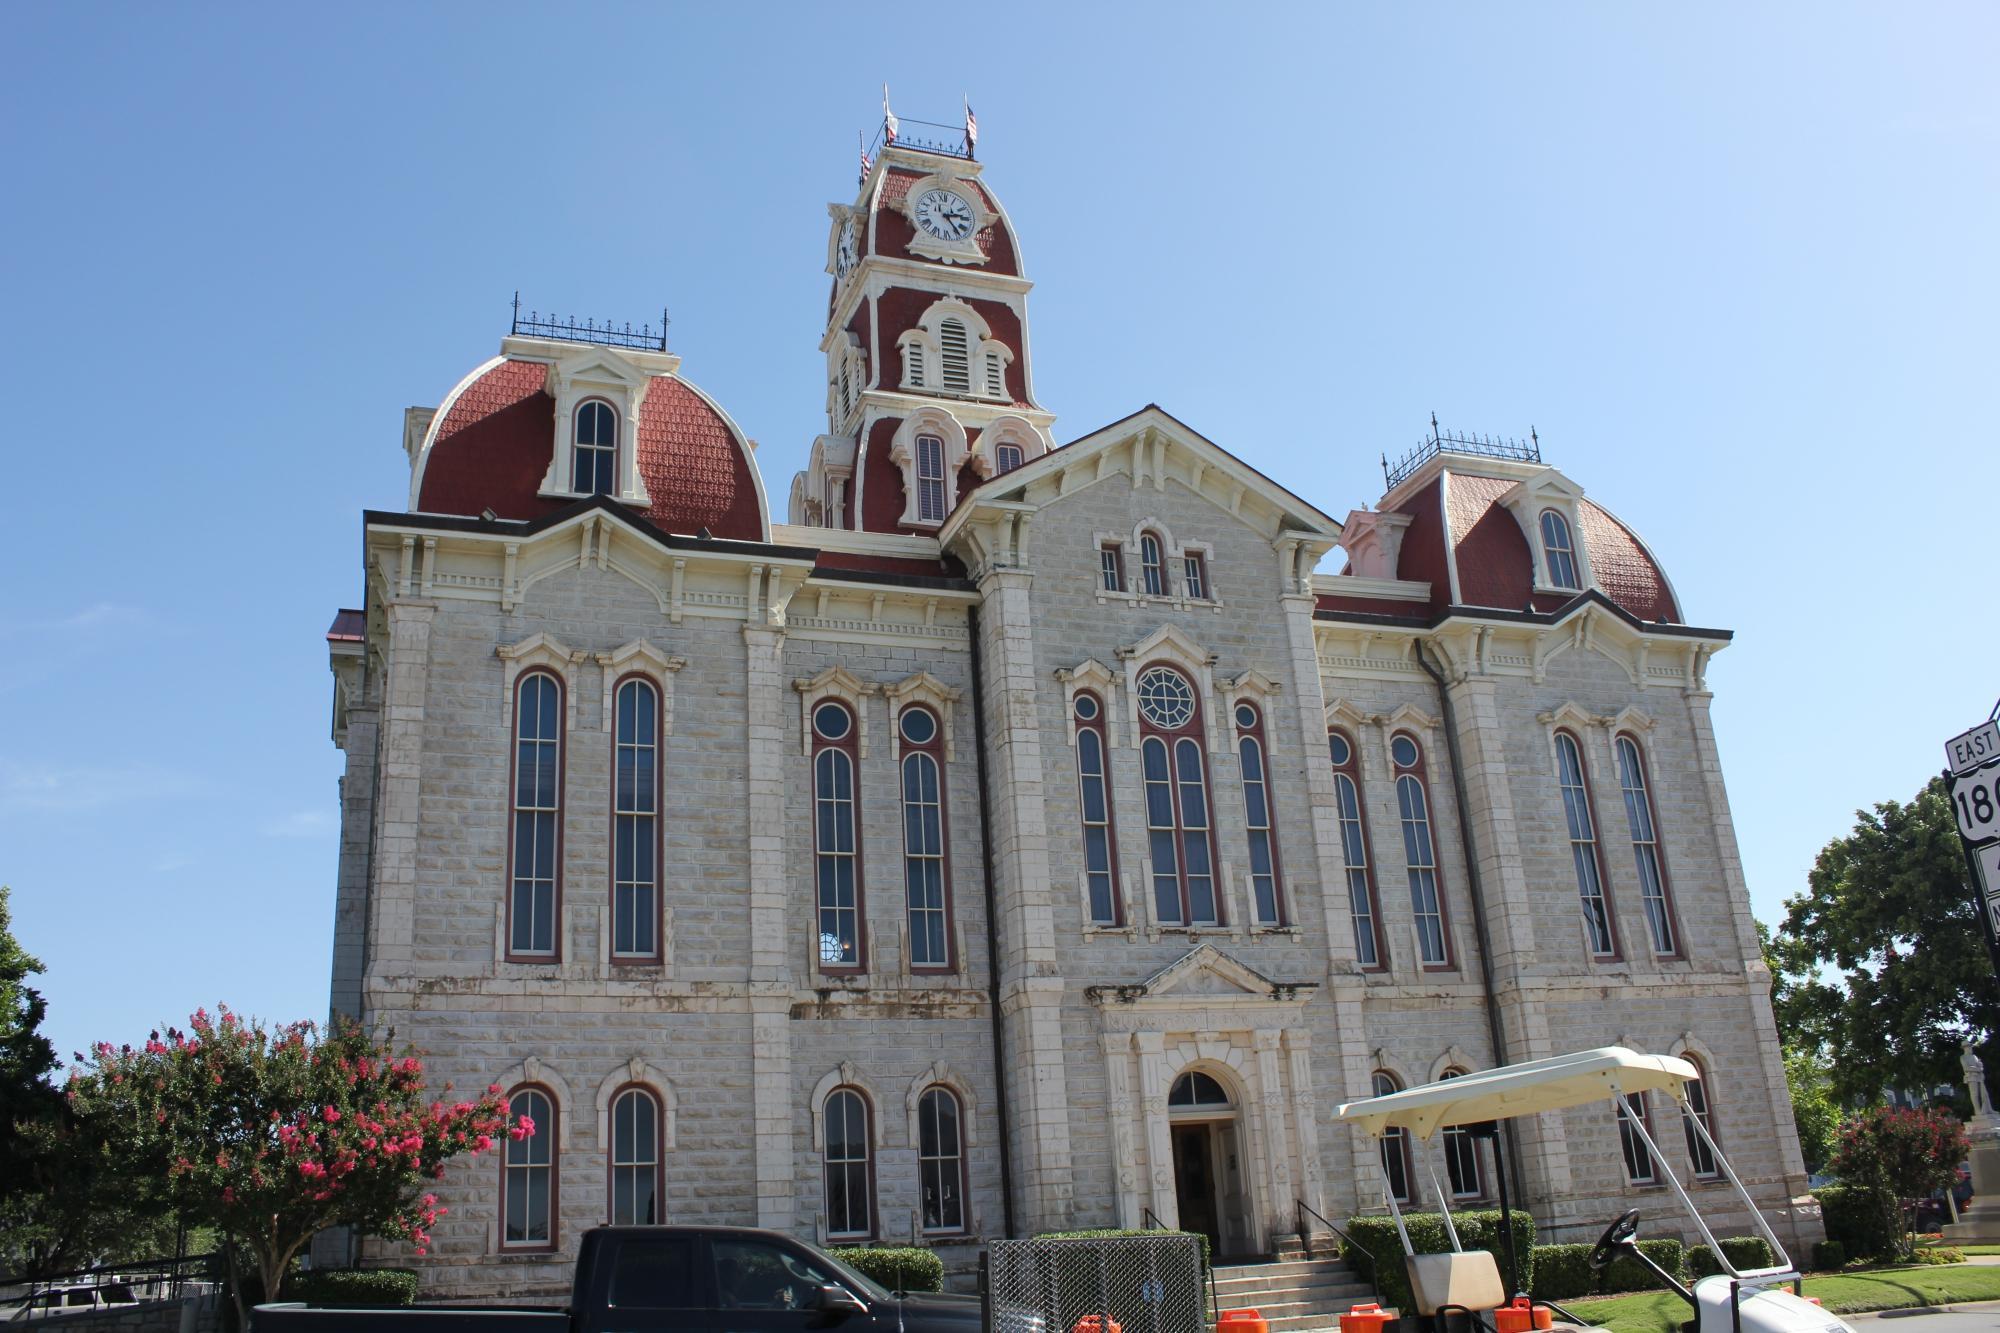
{"x":1847,"y":1293}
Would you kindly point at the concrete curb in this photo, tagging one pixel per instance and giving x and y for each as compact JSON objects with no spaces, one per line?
{"x":1912,"y":1311}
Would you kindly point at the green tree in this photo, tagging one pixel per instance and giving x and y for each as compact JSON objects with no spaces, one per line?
{"x":26,"y":1057}
{"x":1814,"y":1111}
{"x":1882,"y":965}
{"x":268,"y":1137}
{"x":1898,"y":1155}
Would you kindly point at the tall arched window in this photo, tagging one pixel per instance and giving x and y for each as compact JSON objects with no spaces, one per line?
{"x":836,"y":848}
{"x":1152,"y":566}
{"x":926,"y":885}
{"x":1362,"y":903}
{"x":1100,"y":870}
{"x":941,"y":1160}
{"x":1177,"y":820}
{"x":1574,"y":781}
{"x":1267,"y":899}
{"x":594,"y":461}
{"x":528,"y":1174}
{"x":930,"y":479}
{"x":1006,"y":458}
{"x":537,"y":825}
{"x":1558,"y":552}
{"x":849,"y":1210}
{"x":635,"y":1158}
{"x":1639,"y":1166}
{"x":1420,"y":851}
{"x":635,"y":817}
{"x":955,"y":355}
{"x":1396,"y":1164}
{"x":1700,"y":1156}
{"x":1639,"y":819}
{"x":1461,"y":1156}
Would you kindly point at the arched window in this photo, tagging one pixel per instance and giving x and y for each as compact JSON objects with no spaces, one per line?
{"x":1267,"y":900}
{"x":528,"y":1174}
{"x":1006,"y":458}
{"x":1639,"y":1166}
{"x":635,"y":1158}
{"x":1700,"y":1156}
{"x":1100,"y":869}
{"x":1176,"y":779}
{"x":1574,"y":781}
{"x":1461,"y":1157}
{"x":537,"y":805}
{"x":849,"y":1210}
{"x":1152,"y":566}
{"x":930,"y":479}
{"x":954,"y":356}
{"x":941,"y":1160}
{"x":1420,"y":851}
{"x":836,"y":850}
{"x":926,"y":886}
{"x":1196,"y":1089}
{"x":1361,"y":899}
{"x":594,"y":461}
{"x":1396,"y":1164}
{"x":1639,"y":818}
{"x":1194,"y":576}
{"x":635,"y":817}
{"x":1558,"y":552}
{"x":1111,"y":566}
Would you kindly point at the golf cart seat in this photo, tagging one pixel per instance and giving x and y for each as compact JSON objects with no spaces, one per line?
{"x":1469,"y":1282}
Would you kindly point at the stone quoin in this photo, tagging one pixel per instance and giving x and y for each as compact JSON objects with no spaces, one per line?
{"x":1008,"y":836}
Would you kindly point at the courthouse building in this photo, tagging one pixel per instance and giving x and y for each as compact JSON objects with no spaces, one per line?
{"x":989,"y":835}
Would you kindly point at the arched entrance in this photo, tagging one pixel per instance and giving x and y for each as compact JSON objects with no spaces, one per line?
{"x":1209,"y":1186}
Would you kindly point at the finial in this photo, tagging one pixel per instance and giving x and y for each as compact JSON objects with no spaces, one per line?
{"x":1434,"y":425}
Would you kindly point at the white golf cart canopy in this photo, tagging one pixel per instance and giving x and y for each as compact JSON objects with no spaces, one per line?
{"x":1525,"y":1089}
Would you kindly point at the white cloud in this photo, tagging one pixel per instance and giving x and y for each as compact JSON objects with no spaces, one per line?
{"x":27,"y":789}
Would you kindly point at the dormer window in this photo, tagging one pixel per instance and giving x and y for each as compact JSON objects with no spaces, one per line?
{"x":1152,"y":566}
{"x":930,"y":479}
{"x":1558,"y":552}
{"x":594,"y":464}
{"x":952,"y":350}
{"x":1005,"y":459}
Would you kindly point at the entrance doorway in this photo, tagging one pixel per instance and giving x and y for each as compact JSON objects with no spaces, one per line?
{"x":1209,"y":1189}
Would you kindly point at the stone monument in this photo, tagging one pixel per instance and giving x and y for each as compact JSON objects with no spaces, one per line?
{"x":1980,"y":1221}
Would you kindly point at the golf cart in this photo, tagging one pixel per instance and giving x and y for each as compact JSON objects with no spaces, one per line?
{"x":1470,"y":1285}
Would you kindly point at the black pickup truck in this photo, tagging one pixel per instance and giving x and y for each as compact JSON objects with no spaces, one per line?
{"x":697,"y":1279}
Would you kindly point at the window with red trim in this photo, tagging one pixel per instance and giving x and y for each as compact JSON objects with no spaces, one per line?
{"x":536,"y":832}
{"x":1177,"y":806}
{"x":941,"y":1159}
{"x":1558,"y":551}
{"x":1395,"y":1145}
{"x":1152,"y":566}
{"x":528,"y":1173}
{"x":1100,"y":842}
{"x":850,"y":1211}
{"x":1267,"y":888}
{"x":836,"y":839}
{"x":1700,"y":1155}
{"x":1413,"y":802}
{"x":635,"y":1157}
{"x":635,"y":822}
{"x":1363,"y":904}
{"x":1640,"y":1168}
{"x":1111,"y":566}
{"x":1573,"y":780}
{"x":1642,"y":821}
{"x":1461,"y":1156}
{"x":926,"y":877}
{"x":1194,"y":576}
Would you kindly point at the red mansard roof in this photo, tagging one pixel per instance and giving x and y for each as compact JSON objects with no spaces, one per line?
{"x":492,"y":449}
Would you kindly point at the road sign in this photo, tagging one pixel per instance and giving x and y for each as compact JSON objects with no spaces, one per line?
{"x":1968,"y":750}
{"x":1975,"y":799}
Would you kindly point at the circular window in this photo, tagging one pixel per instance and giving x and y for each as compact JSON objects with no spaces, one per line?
{"x":1404,"y":751}
{"x":1086,"y":707}
{"x":918,"y":726}
{"x":1337,"y":745}
{"x":1246,"y":716}
{"x":832,"y":721}
{"x":1166,"y":699}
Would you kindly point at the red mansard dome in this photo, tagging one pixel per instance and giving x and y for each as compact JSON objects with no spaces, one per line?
{"x":492,"y":442}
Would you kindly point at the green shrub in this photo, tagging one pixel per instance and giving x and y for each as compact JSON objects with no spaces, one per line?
{"x":1562,"y":1272}
{"x":355,"y":1286}
{"x":1940,"y":1254}
{"x":1855,"y":1217}
{"x":1828,"y":1256}
{"x":1102,"y":1233}
{"x":899,"y":1268}
{"x":1628,"y":1274}
{"x":1376,"y":1254}
{"x":1082,"y":1284}
{"x":1743,"y":1251}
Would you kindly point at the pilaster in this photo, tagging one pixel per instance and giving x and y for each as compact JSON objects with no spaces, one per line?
{"x":773,"y":1112}
{"x":392,"y":904}
{"x":1153,"y":1075}
{"x":357,"y":820}
{"x":764,"y":801}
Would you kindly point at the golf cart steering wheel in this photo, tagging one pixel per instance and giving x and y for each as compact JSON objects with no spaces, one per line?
{"x":1616,"y":1237}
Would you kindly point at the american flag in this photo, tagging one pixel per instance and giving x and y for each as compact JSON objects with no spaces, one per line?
{"x":971,"y":129}
{"x":889,"y":124}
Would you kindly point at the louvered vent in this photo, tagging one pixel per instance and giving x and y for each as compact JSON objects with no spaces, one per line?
{"x":996,"y":377}
{"x":913,"y":365}
{"x":957,"y":356}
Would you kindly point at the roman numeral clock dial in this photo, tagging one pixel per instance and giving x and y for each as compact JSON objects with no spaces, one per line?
{"x":945,"y":215}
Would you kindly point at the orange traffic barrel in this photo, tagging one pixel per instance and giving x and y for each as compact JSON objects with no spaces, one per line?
{"x":1517,"y":1316}
{"x":1367,"y":1318}
{"x":1242,"y":1321}
{"x":1545,"y":1318}
{"x":1092,"y":1323}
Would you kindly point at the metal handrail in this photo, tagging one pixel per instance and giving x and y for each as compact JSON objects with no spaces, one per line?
{"x":1305,"y":1237}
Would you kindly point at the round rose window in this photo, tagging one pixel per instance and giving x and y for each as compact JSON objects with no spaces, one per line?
{"x":1165,"y":699}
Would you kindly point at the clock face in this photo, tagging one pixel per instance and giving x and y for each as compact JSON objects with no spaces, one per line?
{"x":945,"y":215}
{"x":849,"y":252}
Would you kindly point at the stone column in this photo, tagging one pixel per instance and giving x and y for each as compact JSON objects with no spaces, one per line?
{"x":770,"y":968}
{"x":1305,"y":1111}
{"x":1281,"y":1211}
{"x":1159,"y":1142}
{"x":357,"y":822}
{"x":1124,"y":1113}
{"x":773,"y":1111}
{"x":392,"y":903}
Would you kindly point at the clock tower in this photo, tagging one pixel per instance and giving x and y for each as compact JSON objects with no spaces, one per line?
{"x":929,"y":386}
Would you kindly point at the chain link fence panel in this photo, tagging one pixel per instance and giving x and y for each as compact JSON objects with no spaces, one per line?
{"x":1122,"y":1284}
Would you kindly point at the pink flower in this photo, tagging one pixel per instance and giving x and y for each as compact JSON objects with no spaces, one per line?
{"x":332,"y":1116}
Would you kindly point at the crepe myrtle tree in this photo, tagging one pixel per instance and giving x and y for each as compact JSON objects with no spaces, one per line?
{"x":268,"y":1136}
{"x":1899,"y":1154}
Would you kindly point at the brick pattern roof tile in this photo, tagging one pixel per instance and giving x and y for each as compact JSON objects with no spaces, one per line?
{"x":1624,"y":570}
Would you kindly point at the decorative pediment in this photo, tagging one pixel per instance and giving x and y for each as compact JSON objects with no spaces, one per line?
{"x":1092,"y":676}
{"x":922,"y":688}
{"x":1453,"y":1057}
{"x":536,"y":1071}
{"x":1252,"y":685}
{"x":1630,"y":718}
{"x":1409,"y":717}
{"x":1373,"y":541}
{"x":941,"y":1074}
{"x":1205,"y":975}
{"x":641,"y":657}
{"x":1569,"y":715}
{"x":1169,"y":641}
{"x":844,"y":1075}
{"x":836,"y":682}
{"x":1527,"y":499}
{"x":1341,"y":713}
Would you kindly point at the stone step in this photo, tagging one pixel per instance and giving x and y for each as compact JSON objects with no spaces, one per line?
{"x":1326,"y":1293}
{"x":1311,"y":1323}
{"x":1282,"y":1268}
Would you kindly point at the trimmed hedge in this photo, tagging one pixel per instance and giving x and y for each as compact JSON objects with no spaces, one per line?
{"x":899,"y":1268}
{"x":1103,"y":1233}
{"x":1828,"y":1256}
{"x":1562,"y":1272}
{"x":1375,"y":1243}
{"x":1856,"y":1219}
{"x":1743,"y":1251}
{"x":355,"y":1286}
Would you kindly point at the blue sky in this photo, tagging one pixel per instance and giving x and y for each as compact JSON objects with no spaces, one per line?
{"x":1735,"y":264}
